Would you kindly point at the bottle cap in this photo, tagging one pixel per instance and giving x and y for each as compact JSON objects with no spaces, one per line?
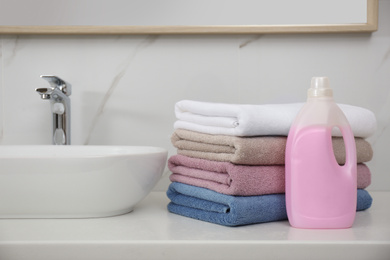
{"x":320,"y":88}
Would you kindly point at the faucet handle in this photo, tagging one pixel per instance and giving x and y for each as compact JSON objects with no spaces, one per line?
{"x":56,"y":82}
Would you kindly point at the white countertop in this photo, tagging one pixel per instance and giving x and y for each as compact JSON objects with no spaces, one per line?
{"x":151,"y":232}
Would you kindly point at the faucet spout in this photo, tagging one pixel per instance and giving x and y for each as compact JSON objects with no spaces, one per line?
{"x":45,"y":92}
{"x":58,"y":94}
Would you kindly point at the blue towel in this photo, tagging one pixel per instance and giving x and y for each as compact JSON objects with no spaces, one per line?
{"x":207,"y":205}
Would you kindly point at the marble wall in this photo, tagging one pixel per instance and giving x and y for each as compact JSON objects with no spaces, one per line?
{"x":125,"y":87}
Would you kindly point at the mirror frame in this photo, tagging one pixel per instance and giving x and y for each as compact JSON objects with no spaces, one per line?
{"x":370,"y":26}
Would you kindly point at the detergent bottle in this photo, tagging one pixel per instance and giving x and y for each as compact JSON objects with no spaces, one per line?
{"x":320,"y":193}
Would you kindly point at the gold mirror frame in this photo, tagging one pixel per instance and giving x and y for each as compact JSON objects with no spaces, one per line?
{"x":370,"y":26}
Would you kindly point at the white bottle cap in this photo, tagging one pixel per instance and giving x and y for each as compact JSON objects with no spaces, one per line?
{"x":320,"y":88}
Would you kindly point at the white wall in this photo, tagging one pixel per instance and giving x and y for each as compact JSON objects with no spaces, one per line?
{"x":125,"y":87}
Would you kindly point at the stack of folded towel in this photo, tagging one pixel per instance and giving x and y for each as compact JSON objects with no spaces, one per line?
{"x":229,"y":168}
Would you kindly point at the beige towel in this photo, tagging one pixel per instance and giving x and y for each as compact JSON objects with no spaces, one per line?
{"x":261,"y":150}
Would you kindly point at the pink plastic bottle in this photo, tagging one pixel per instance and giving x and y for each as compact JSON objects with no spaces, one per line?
{"x":319,"y":192}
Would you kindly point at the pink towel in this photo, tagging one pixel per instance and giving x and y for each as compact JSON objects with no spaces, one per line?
{"x":241,"y":180}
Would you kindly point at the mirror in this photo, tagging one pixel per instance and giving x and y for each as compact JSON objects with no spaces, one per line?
{"x":187,"y":16}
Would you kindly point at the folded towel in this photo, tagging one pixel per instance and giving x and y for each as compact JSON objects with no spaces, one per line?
{"x":242,"y":180}
{"x":214,"y":207}
{"x":255,"y":120}
{"x":261,"y":150}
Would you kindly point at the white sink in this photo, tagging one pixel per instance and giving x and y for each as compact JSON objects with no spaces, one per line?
{"x":76,"y":181}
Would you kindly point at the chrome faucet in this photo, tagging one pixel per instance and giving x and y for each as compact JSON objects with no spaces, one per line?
{"x":58,"y":94}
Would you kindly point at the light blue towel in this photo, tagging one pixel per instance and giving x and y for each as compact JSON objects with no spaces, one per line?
{"x":207,"y":205}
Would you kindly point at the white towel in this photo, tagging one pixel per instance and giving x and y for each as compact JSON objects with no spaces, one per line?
{"x":254,"y":120}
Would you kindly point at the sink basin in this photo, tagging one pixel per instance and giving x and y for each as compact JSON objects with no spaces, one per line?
{"x":76,"y":181}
